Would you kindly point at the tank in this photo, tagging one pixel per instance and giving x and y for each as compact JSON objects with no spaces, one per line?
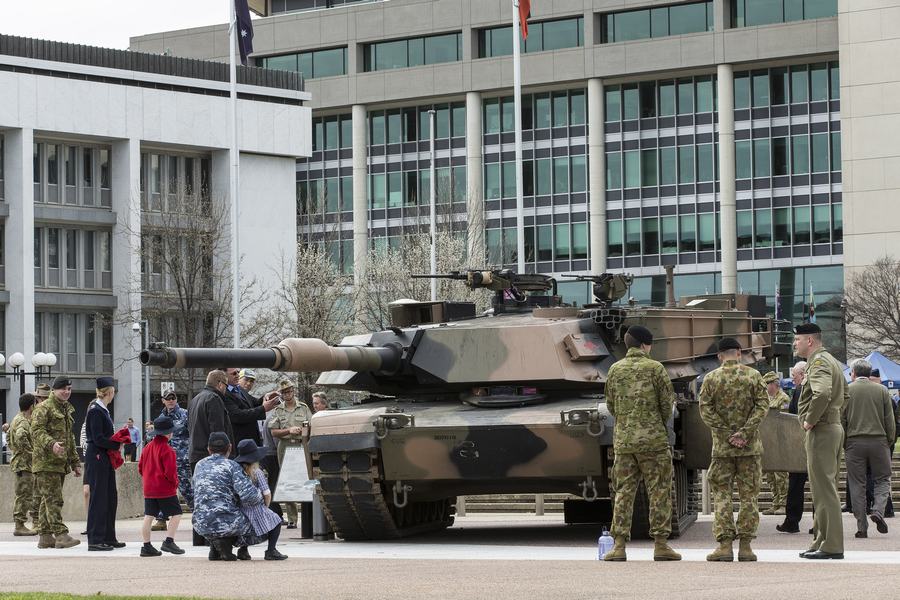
{"x":511,"y":401}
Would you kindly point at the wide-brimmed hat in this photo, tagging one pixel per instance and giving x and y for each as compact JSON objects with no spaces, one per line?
{"x":249,"y":452}
{"x":163,"y":425}
{"x":285,"y":384}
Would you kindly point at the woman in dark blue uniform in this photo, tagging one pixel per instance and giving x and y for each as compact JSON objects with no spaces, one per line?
{"x":101,"y":521}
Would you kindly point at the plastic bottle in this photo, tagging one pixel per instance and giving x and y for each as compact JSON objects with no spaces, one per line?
{"x":604,"y":544}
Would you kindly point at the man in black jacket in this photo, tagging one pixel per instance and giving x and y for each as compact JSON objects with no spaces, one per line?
{"x":206,"y":413}
{"x":244,"y":411}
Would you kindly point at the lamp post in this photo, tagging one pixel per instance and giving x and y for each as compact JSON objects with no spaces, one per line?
{"x":42,"y":362}
{"x":143,"y":327}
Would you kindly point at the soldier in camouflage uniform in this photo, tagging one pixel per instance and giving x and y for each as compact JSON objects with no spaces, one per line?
{"x":20,"y":446}
{"x":733,"y":403}
{"x":53,"y":456}
{"x":777,"y":480}
{"x":220,"y":487}
{"x":181,"y":444}
{"x":639,"y":396}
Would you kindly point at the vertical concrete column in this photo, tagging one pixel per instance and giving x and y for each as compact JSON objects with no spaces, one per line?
{"x":474,"y":181}
{"x":597,"y":174}
{"x":360,"y":197}
{"x":727,"y":197}
{"x":220,"y":198}
{"x":19,"y":144}
{"x":126,"y":265}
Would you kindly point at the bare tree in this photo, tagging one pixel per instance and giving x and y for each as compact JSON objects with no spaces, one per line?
{"x":872,"y":309}
{"x":185,"y":281}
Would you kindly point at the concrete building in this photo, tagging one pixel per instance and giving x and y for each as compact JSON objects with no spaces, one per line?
{"x":713,"y":135}
{"x":99,"y":144}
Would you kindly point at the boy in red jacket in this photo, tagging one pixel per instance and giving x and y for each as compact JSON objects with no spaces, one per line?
{"x":159,"y":471}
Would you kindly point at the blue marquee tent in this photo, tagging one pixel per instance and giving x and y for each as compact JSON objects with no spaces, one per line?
{"x":890,"y":371}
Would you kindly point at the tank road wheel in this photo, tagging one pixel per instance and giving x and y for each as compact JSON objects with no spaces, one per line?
{"x":358,"y":505}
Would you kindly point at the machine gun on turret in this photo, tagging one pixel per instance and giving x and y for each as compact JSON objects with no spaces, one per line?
{"x":608,"y":287}
{"x":508,"y":286}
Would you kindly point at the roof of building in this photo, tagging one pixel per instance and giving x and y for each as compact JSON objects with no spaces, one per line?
{"x":143,"y":62}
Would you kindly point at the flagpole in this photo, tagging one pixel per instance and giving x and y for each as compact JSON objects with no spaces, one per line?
{"x":517,"y":94}
{"x":233,"y":185}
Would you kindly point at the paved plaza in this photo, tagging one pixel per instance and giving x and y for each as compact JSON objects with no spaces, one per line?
{"x":481,"y":556}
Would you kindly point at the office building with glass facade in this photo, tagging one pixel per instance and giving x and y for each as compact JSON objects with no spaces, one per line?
{"x":705,"y":134}
{"x":96,"y":146}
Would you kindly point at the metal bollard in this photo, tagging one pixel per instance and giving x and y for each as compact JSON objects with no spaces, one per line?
{"x":321,"y":526}
{"x":306,"y":520}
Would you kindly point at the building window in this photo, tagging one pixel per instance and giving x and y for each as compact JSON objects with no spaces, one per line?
{"x":747,"y":13}
{"x":412,"y":52}
{"x":542,"y":36}
{"x":656,"y":22}
{"x":312,"y":65}
{"x":82,"y":342}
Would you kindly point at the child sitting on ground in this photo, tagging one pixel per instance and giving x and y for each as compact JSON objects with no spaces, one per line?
{"x":159,"y":471}
{"x":266,"y":524}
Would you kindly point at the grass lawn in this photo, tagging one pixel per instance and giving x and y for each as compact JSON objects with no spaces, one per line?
{"x":53,"y":596}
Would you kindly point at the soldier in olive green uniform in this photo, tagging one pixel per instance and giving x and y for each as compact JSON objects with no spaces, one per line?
{"x":20,"y":445}
{"x":777,"y":480}
{"x":53,"y":457}
{"x":733,"y":403}
{"x":286,"y":422}
{"x":639,"y":396}
{"x":819,"y":411}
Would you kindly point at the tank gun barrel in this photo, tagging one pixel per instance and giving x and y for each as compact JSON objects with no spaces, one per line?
{"x":292,"y":354}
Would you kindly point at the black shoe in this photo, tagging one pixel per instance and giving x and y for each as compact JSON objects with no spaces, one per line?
{"x":861,"y":534}
{"x":84,"y":532}
{"x":224,"y":545}
{"x":819,"y":555}
{"x":243,"y":553}
{"x":812,"y":531}
{"x":99,"y":547}
{"x":805,"y":552}
{"x":274,"y":555}
{"x":115,"y":544}
{"x":879,"y":523}
{"x":214,"y":554}
{"x":291,"y":525}
{"x":786,"y":529}
{"x":149,"y":550}
{"x":846,"y":508}
{"x":171,"y":547}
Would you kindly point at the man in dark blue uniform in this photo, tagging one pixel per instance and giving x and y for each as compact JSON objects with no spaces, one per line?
{"x":101,"y":521}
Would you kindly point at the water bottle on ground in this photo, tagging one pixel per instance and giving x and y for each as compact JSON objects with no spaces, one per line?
{"x":604,"y":544}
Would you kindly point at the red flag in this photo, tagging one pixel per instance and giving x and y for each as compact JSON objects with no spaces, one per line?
{"x":524,"y":13}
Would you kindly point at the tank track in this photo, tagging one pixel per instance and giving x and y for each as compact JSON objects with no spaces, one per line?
{"x":351,"y":492}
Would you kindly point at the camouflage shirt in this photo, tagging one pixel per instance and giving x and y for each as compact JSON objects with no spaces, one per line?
{"x":220,"y":488}
{"x":779,"y":401}
{"x":639,"y":395}
{"x":825,"y":390}
{"x":20,"y":443}
{"x":733,"y":399}
{"x":52,"y":421}
{"x":181,"y":438}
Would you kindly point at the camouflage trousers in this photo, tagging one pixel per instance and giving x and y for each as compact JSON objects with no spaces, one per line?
{"x":25,"y":498}
{"x":725,"y":473}
{"x":778,"y":484}
{"x":185,"y":487}
{"x":49,"y":492}
{"x":655,"y":468}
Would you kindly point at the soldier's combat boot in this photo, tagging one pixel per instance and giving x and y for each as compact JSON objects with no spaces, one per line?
{"x":662,"y":550}
{"x":723,"y":553}
{"x":64,"y":540}
{"x":745,"y":552}
{"x":769,"y":511}
{"x":618,"y":551}
{"x":46,"y":541}
{"x":22,"y":530}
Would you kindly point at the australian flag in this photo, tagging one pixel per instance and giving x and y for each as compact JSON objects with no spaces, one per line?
{"x":244,"y":29}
